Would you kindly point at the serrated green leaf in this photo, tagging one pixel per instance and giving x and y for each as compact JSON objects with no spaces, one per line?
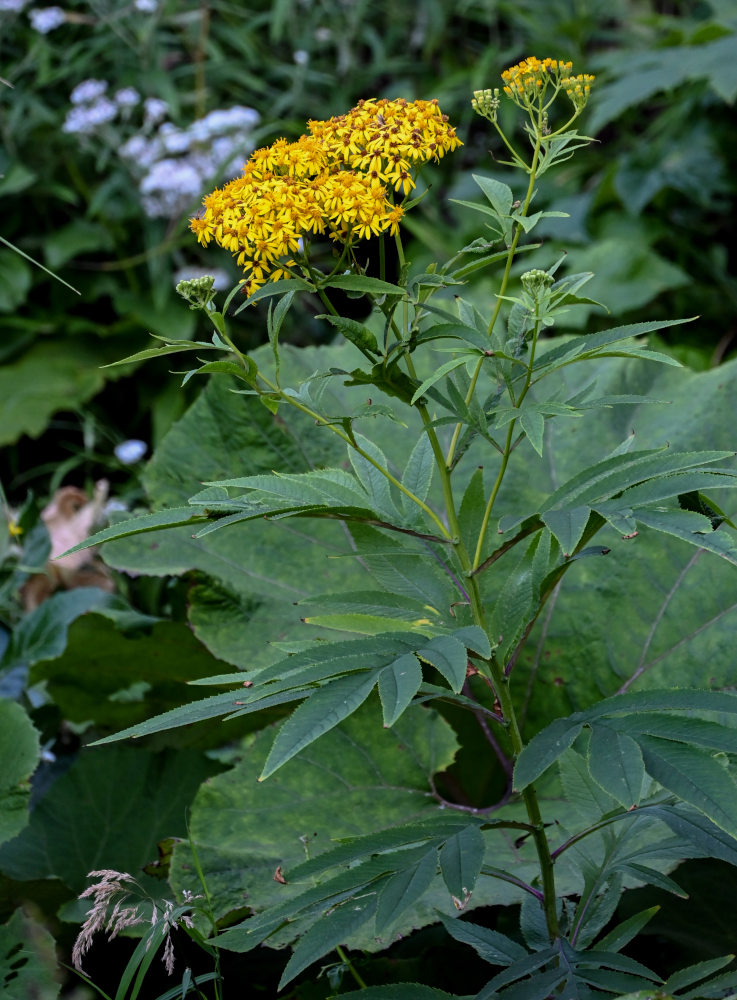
{"x":404,"y":889}
{"x":449,"y":657}
{"x":418,"y":472}
{"x":567,"y":526}
{"x":533,"y":424}
{"x":615,"y":762}
{"x":437,"y":375}
{"x":329,"y":931}
{"x":698,"y":732}
{"x":137,"y":525}
{"x":500,"y":195}
{"x":461,"y":857}
{"x":650,"y":876}
{"x":560,"y":354}
{"x":543,"y":750}
{"x":684,"y":978}
{"x":157,"y":352}
{"x":373,"y":481}
{"x":539,"y":986}
{"x":364,"y":624}
{"x":358,"y":334}
{"x":694,"y":776}
{"x":626,"y":931}
{"x":693,"y":528}
{"x":398,"y":684}
{"x":493,"y":947}
{"x":317,"y":716}
{"x":674,"y":700}
{"x":273,"y":288}
{"x":699,"y":831}
{"x":225,"y":368}
{"x":362,"y":283}
{"x":208,"y":708}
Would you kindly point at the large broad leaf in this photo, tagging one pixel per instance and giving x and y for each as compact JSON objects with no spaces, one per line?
{"x":131,"y":799}
{"x":51,"y":376}
{"x":27,"y":960}
{"x":19,"y":755}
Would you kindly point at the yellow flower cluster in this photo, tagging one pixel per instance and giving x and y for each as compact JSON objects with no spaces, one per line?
{"x":578,"y":88}
{"x":387,"y":139}
{"x":529,"y":78}
{"x":333,"y":181}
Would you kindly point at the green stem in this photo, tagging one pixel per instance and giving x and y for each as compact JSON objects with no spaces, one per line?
{"x":499,"y":680}
{"x":508,"y":448}
{"x":351,"y":968}
{"x":502,"y":291}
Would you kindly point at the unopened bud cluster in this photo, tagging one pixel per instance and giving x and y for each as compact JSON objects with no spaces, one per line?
{"x":536,"y":282}
{"x":486,"y":103}
{"x":199,"y":292}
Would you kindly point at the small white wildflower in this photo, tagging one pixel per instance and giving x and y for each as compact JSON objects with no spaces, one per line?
{"x":169,"y":186}
{"x":86,"y":118}
{"x":140,"y":151}
{"x":154,"y":109}
{"x":301,"y":57}
{"x":46,"y":19}
{"x":130,"y":452}
{"x":87,"y":90}
{"x":173,"y":139}
{"x":127,"y":97}
{"x":146,"y":6}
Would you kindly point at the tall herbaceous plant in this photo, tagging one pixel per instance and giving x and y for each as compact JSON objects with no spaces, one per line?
{"x":459,"y":567}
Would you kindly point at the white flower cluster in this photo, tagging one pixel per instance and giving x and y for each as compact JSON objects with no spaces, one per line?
{"x":177,"y":164}
{"x":172,"y":165}
{"x":46,"y":19}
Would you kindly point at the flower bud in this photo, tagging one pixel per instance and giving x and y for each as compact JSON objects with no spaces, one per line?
{"x":199,"y":292}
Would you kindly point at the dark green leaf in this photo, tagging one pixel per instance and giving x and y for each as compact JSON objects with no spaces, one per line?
{"x":684,"y":978}
{"x":404,"y":889}
{"x":695,"y":776}
{"x":318,"y":715}
{"x":626,"y":931}
{"x":398,"y":684}
{"x":358,"y":334}
{"x":567,"y":526}
{"x":615,"y":762}
{"x":461,"y":857}
{"x":493,"y":947}
{"x":19,"y":754}
{"x":544,"y":749}
{"x":328,"y":931}
{"x":448,"y":656}
{"x":362,"y":283}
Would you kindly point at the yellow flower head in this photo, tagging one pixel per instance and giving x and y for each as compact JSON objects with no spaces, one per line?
{"x":332,"y":181}
{"x":530,"y":81}
{"x":387,"y":139}
{"x":578,"y":88}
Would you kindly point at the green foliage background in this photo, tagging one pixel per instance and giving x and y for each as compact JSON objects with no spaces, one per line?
{"x":650,"y":206}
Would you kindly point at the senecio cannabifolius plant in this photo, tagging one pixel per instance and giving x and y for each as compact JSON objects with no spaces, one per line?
{"x":653,"y":755}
